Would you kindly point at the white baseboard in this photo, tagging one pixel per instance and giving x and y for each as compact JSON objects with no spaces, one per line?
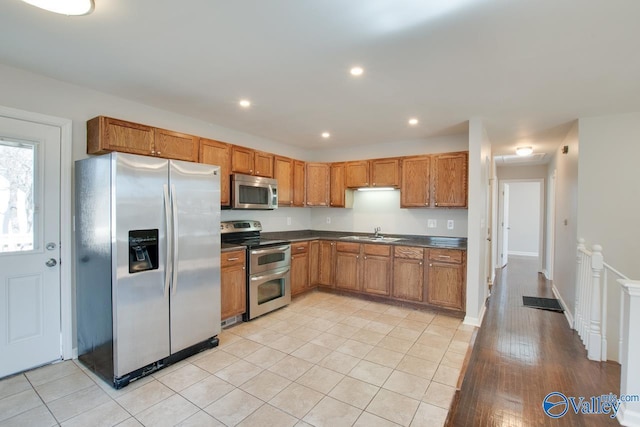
{"x":523,"y":253}
{"x":476,"y":321}
{"x":567,"y":312}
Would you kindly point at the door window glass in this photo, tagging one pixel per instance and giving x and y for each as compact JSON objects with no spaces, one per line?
{"x":17,"y":208}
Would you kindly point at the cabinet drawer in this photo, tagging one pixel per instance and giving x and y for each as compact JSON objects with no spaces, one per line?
{"x":230,"y":259}
{"x":299,"y":247}
{"x":380,"y":250}
{"x":445,"y":255}
{"x":408,"y":252}
{"x":348,"y":247}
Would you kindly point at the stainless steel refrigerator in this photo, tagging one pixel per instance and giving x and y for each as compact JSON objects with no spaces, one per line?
{"x":147,"y":262}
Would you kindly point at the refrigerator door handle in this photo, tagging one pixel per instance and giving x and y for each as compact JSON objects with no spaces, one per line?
{"x":169,"y":265}
{"x":174,"y":204}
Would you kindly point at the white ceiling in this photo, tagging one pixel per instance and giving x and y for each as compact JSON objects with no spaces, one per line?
{"x":528,"y":68}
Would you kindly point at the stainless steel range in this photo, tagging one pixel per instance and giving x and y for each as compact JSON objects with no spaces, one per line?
{"x":269,"y":265}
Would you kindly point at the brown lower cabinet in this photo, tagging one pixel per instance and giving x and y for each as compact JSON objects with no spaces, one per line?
{"x":393,"y":271}
{"x":299,"y":268}
{"x":233,"y":285}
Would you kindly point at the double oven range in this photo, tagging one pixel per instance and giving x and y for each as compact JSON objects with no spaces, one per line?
{"x":268,"y":266}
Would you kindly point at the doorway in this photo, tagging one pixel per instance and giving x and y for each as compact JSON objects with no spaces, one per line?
{"x":521,"y":220}
{"x":35,"y":288}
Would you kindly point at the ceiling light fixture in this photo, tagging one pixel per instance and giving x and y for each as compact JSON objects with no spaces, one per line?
{"x":326,"y":134}
{"x":64,"y":7}
{"x":524,"y":151}
{"x":413,"y":121}
{"x":245,"y":103}
{"x":356,"y":71}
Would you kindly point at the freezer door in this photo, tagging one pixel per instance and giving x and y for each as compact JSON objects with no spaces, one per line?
{"x":141,"y":304}
{"x":195,"y":286}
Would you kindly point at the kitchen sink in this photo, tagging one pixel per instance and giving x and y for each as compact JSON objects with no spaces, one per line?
{"x":372,"y":238}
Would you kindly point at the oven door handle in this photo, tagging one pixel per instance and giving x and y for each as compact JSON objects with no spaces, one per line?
{"x":264,"y":251}
{"x":269,"y":276}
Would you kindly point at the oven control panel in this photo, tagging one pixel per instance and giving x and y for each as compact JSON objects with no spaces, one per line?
{"x":239,"y":226}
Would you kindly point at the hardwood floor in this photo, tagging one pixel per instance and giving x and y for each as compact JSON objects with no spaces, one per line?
{"x":521,"y":354}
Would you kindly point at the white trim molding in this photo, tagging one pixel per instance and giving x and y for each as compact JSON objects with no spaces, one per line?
{"x":567,"y":311}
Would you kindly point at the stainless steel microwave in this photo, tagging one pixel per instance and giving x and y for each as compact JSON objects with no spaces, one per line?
{"x":253,"y":192}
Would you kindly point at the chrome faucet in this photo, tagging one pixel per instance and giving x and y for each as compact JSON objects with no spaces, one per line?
{"x":376,"y":232}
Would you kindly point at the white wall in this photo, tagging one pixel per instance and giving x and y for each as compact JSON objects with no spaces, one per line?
{"x":478,"y":214}
{"x":524,"y":218}
{"x":609,"y":201}
{"x":565,"y":167}
{"x":382,"y":209}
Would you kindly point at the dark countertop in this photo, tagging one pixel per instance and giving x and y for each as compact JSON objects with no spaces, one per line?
{"x":405,"y":239}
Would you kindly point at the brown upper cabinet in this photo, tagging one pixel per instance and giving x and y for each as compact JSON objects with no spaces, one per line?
{"x":105,"y":134}
{"x":218,"y":153}
{"x":357,"y":174}
{"x":251,"y":162}
{"x":416,"y":182}
{"x":317,"y":184}
{"x":299,"y":183}
{"x":283,"y":172}
{"x":339,"y":196}
{"x":438,"y":180}
{"x":450,"y":180}
{"x":385,"y":173}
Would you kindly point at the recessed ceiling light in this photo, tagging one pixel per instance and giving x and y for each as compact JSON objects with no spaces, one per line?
{"x":326,"y":135}
{"x":64,"y":7}
{"x":356,"y":71}
{"x":524,"y":151}
{"x":413,"y":121}
{"x":245,"y":103}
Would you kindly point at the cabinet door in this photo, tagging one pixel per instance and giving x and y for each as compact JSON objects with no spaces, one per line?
{"x":175,"y":145}
{"x":263,"y":164}
{"x":218,"y":153}
{"x":446,"y":285}
{"x":450,"y":180}
{"x":415,"y":182}
{"x":298,"y":183}
{"x":336,"y":185}
{"x":376,"y":276}
{"x":233,"y":285}
{"x":357,"y":174}
{"x":346,"y":274}
{"x":299,"y":273}
{"x":283,"y":172}
{"x":105,"y":134}
{"x":317,"y":184}
{"x":385,"y":173}
{"x":408,"y":279}
{"x":241,"y":160}
{"x":314,"y":263}
{"x":325,"y":263}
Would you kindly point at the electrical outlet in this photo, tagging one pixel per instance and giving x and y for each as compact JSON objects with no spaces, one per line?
{"x":328,"y":220}
{"x":450,"y":224}
{"x":432,"y":223}
{"x":288,"y":220}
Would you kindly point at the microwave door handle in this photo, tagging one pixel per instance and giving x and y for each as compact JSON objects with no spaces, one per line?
{"x":263,"y":251}
{"x":271,"y":196}
{"x":270,"y":276}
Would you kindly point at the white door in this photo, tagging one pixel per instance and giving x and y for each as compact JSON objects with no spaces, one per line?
{"x":30,"y":324}
{"x":504,"y":224}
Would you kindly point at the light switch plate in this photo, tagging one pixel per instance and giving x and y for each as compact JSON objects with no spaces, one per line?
{"x":450,"y":224}
{"x":432,"y":223}
{"x":328,"y":220}
{"x":288,"y":220}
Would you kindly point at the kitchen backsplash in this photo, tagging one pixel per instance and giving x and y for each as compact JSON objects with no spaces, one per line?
{"x":370,"y":209}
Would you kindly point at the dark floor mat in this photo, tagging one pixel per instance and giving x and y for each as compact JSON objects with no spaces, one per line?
{"x":543,"y":303}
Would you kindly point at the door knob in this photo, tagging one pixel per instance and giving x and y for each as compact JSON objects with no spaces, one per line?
{"x":51,"y":262}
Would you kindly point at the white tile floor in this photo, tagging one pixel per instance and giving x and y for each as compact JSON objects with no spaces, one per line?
{"x":325,"y":360}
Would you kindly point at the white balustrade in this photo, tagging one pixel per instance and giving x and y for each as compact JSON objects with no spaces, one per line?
{"x":629,"y":412}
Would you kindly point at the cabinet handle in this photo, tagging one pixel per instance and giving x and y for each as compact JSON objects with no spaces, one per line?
{"x":257,"y":172}
{"x":300,"y":248}
{"x":374,"y":184}
{"x":365,"y":257}
{"x":158,"y":153}
{"x":430,"y":265}
{"x":232,"y":259}
{"x":444,"y":256}
{"x":357,"y":256}
{"x":436,"y":203}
